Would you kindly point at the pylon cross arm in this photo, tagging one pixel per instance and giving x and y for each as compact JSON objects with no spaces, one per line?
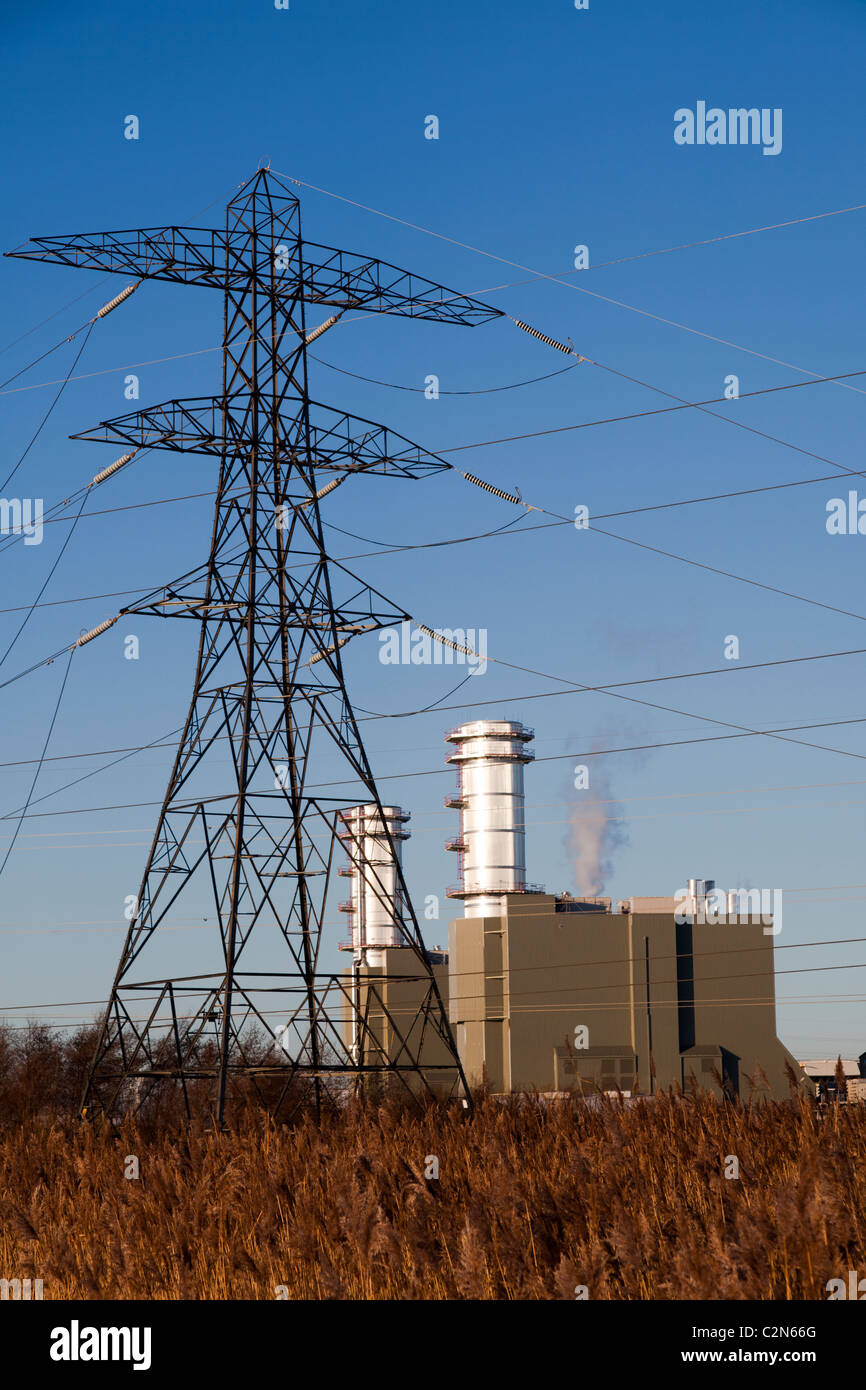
{"x":347,"y":280}
{"x":188,"y":255}
{"x":292,"y":270}
{"x":339,"y":442}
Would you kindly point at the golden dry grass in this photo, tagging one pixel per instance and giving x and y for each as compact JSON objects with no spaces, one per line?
{"x":531,"y":1201}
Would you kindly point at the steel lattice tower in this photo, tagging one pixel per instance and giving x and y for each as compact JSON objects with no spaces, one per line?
{"x":269,"y":699}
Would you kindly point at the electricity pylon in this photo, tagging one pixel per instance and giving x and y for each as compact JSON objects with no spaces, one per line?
{"x":269,"y":699}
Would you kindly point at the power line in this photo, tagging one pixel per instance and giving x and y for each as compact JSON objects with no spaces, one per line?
{"x":62,"y":342}
{"x":610,"y":420}
{"x":626,"y":540}
{"x":112,"y":371}
{"x":389,"y":548}
{"x":81,"y":598}
{"x":671,"y":409}
{"x":657,"y":550}
{"x":711,"y":337}
{"x":157,"y":502}
{"x":595,"y":362}
{"x":728,"y":574}
{"x":200,"y":352}
{"x":667,"y":554}
{"x":625,"y":1003}
{"x":780,"y":946}
{"x":39,"y":764}
{"x":730,"y":1002}
{"x":539,"y":695}
{"x":15,"y":536}
{"x":684,"y":405}
{"x":582,"y":964}
{"x":688,"y":245}
{"x":46,"y":661}
{"x":68,"y":305}
{"x":558,"y":429}
{"x":29,"y":614}
{"x":612,"y":535}
{"x":667,"y":709}
{"x":573,"y":820}
{"x":558,"y":279}
{"x":725,"y":573}
{"x":83,"y":493}
{"x":738,"y":424}
{"x":442,"y":771}
{"x":624,"y":799}
{"x":652,"y":680}
{"x":392,"y":548}
{"x":743,"y":730}
{"x":485,"y":391}
{"x":47,"y":416}
{"x":85,"y":776}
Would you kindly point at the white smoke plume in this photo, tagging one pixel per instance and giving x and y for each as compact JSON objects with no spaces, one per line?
{"x":595,"y":832}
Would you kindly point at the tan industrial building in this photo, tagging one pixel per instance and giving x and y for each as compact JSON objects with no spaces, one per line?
{"x":551,"y":993}
{"x":557,"y":994}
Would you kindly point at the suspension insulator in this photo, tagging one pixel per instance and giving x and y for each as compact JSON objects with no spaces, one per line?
{"x":322,"y":328}
{"x":118,"y":299}
{"x":329,"y":651}
{"x":95,"y":632}
{"x":446,"y":641}
{"x":551,"y":342}
{"x":497,"y":491}
{"x":113,"y":467}
{"x":323,"y":491}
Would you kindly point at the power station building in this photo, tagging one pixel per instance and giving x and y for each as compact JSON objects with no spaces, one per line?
{"x":553,"y":993}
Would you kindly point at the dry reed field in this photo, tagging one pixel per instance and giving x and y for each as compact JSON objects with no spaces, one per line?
{"x":532,"y":1201}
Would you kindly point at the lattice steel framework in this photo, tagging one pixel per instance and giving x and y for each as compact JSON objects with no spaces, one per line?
{"x":269,"y":694}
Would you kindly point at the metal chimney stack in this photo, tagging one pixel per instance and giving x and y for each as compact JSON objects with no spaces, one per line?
{"x":375,"y":906}
{"x":699,"y":891}
{"x":490,"y":755}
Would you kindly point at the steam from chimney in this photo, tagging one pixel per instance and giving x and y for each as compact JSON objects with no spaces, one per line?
{"x":595,"y":833}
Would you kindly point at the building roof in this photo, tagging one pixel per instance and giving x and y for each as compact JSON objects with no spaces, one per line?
{"x":826,"y":1066}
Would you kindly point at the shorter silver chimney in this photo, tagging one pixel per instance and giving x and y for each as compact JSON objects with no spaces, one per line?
{"x":700,"y":890}
{"x":489,"y":755}
{"x":375,"y":907}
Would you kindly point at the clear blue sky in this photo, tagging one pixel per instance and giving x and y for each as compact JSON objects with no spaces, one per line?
{"x":556,"y":129}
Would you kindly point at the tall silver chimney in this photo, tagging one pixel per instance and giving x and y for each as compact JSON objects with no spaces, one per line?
{"x":489,"y":755}
{"x":375,"y":906}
